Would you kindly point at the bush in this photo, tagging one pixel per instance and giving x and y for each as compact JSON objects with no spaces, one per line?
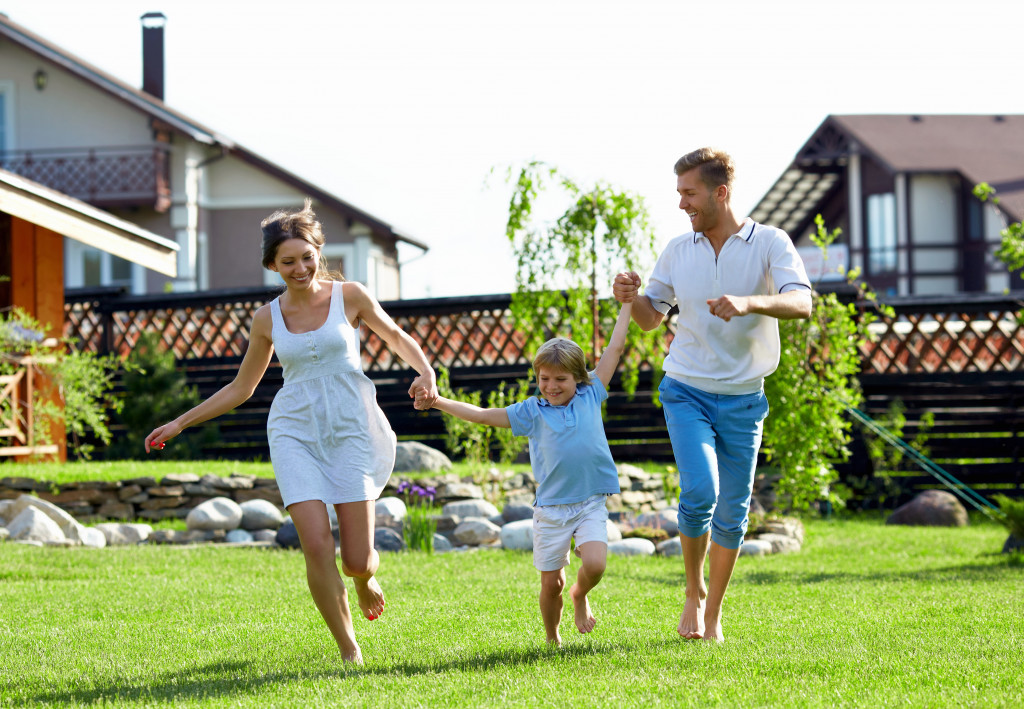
{"x":1012,"y":514}
{"x":83,"y":382}
{"x":155,"y":392}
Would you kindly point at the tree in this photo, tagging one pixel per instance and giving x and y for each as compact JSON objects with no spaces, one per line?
{"x":561,"y":266}
{"x":1011,"y":250}
{"x":814,"y":385}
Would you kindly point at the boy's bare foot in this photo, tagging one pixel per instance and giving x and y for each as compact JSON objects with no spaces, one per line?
{"x":585,"y":620}
{"x":691,"y":621}
{"x":371,"y":597}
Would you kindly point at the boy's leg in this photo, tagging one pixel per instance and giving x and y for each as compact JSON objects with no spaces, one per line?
{"x":359,"y":559}
{"x":739,"y":429}
{"x":594,"y":557}
{"x":325,"y":584}
{"x":689,"y":424}
{"x":551,"y":585}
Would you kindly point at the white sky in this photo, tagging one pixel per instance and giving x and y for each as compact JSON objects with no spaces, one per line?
{"x":402,"y":107}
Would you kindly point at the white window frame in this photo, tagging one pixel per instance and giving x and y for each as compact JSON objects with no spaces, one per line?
{"x":7,"y":89}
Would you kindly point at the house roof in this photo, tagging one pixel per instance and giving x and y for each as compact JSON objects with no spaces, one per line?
{"x":164,"y":114}
{"x":979,"y":148}
{"x":82,"y":222}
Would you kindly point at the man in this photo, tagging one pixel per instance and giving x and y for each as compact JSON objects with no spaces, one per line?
{"x":732,"y":280}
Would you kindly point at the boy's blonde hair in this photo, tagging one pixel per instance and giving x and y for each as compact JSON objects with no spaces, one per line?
{"x":564,"y":354}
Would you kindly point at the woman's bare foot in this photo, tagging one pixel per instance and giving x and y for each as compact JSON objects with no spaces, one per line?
{"x":371,"y":597}
{"x":585,"y":620}
{"x":691,"y":621}
{"x":354,"y":657}
{"x":556,"y":641}
{"x":713,"y":625}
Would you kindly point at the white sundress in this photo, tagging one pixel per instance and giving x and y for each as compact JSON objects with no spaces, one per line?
{"x":329,"y":440}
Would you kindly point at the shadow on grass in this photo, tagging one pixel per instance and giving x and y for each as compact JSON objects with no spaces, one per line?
{"x":953,"y":574}
{"x":221,"y":679}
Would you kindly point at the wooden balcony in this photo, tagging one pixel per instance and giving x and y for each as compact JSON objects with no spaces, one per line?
{"x":128,"y":176}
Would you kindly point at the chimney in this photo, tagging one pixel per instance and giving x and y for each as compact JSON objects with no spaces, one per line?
{"x":153,"y":53}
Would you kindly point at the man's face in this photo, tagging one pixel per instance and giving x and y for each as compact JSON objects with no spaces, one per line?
{"x":697,"y":200}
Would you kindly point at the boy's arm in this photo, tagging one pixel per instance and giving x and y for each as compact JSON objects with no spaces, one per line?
{"x":469,"y":412}
{"x":609,"y":361}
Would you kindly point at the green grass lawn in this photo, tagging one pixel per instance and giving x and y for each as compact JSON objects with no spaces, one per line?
{"x":865,"y":615}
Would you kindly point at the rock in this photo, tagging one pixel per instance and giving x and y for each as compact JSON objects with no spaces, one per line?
{"x":790,"y":526}
{"x":477,"y":532}
{"x":470,"y":508}
{"x":670,"y":547}
{"x":755,"y":547}
{"x":191,"y":536}
{"x":238,"y":536}
{"x":756,"y":508}
{"x":632,"y":547}
{"x":632,"y":471}
{"x":232,"y":483}
{"x":162,"y":503}
{"x":287,"y":536}
{"x":264,"y":535}
{"x":92,"y":537}
{"x":667,"y":519}
{"x":515,"y":512}
{"x":68,"y":525}
{"x":179,"y":479}
{"x":411,"y":456}
{"x":441,"y":544}
{"x":118,"y":534}
{"x":201,"y":490}
{"x":781,"y":543}
{"x":166,"y":491}
{"x":385,"y":539}
{"x":260,"y":514}
{"x":4,"y":533}
{"x":460,"y":491}
{"x":218,"y":513}
{"x":32,"y":524}
{"x":932,"y":508}
{"x":270,"y":494}
{"x":390,"y":511}
{"x":5,"y":507}
{"x":518,"y":535}
{"x":27,"y":484}
{"x":116,"y":510}
{"x":614,"y":533}
{"x":520,"y":496}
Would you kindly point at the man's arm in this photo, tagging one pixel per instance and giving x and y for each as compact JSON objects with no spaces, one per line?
{"x":626,"y":288}
{"x":791,"y":305}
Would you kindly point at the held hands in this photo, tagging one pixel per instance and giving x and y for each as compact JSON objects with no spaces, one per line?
{"x":626,"y":287}
{"x":424,"y":390}
{"x":729,"y":306}
{"x":159,"y":437}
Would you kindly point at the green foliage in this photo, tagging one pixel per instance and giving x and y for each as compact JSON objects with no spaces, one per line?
{"x":816,"y":381}
{"x":419,"y":526}
{"x":1011,"y":250}
{"x":84,"y":381}
{"x":474,"y":441}
{"x":1012,"y":514}
{"x":155,"y":392}
{"x":560,"y":266}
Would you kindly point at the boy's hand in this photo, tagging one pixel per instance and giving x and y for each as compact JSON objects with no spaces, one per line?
{"x":626,"y":287}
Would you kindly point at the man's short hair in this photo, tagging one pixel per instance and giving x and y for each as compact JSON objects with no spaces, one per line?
{"x":715,"y":166}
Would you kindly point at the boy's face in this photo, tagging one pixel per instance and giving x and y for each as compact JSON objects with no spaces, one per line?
{"x":557,"y":385}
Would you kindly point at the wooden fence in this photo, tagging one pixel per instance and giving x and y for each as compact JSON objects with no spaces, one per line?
{"x":958,"y":358}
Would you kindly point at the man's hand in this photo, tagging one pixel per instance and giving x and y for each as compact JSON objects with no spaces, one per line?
{"x":626,"y":287}
{"x":728,"y":307}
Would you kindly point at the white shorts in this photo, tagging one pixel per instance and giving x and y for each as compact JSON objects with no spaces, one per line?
{"x":554,"y":526}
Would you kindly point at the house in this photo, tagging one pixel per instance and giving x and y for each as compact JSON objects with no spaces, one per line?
{"x":35,"y":224}
{"x":900,"y":188}
{"x":71,"y":126}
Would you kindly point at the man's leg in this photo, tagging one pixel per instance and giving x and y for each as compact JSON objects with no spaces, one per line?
{"x":688,"y":420}
{"x":739,"y":426}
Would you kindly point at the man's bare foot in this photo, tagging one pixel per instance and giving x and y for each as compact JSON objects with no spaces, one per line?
{"x":691,"y":621}
{"x":371,"y":597}
{"x":713,"y":625}
{"x":585,"y":620}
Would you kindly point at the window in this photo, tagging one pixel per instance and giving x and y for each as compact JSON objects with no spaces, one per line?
{"x":85,"y":267}
{"x":882,"y":255}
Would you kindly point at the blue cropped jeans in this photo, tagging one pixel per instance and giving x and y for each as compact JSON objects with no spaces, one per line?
{"x":715,"y":439}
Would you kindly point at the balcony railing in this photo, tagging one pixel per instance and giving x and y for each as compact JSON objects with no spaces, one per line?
{"x":104,"y":177}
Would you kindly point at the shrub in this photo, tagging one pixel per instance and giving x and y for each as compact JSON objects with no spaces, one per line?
{"x":1012,"y":514}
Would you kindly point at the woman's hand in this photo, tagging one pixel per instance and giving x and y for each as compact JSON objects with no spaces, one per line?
{"x":424,"y":390}
{"x":159,"y":437}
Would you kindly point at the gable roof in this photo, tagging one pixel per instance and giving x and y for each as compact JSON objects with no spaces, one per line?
{"x":979,"y":148}
{"x":82,"y":222}
{"x":167,"y":116}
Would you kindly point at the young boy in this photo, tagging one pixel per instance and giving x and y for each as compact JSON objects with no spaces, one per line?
{"x":571,"y":462}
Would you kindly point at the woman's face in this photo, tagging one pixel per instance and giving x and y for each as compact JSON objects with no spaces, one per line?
{"x":296,"y":261}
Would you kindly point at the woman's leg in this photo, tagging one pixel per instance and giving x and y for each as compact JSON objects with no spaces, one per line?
{"x":325,"y":583}
{"x":359,"y":559}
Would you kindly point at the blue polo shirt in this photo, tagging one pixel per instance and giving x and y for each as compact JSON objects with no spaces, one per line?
{"x":568,"y":448}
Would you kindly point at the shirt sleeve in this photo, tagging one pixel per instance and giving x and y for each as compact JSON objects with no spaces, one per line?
{"x":659,"y":286}
{"x":785,"y":265}
{"x":521,"y":417}
{"x":597,"y":390}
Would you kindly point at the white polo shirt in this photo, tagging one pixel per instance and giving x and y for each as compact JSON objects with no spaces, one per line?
{"x":707,"y":352}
